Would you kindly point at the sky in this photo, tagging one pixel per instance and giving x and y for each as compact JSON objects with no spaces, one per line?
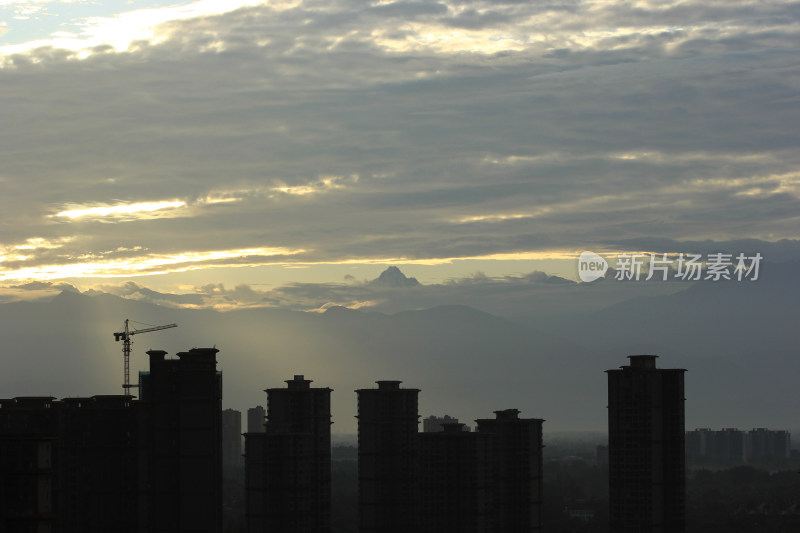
{"x":238,"y":148}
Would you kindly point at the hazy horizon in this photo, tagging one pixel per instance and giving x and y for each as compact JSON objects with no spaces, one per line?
{"x":505,"y":351}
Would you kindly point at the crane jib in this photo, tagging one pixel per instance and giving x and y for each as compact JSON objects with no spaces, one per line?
{"x":125,"y":336}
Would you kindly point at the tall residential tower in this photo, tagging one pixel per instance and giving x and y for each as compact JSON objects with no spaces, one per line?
{"x":647,"y":477}
{"x":288,"y":465}
{"x":388,"y":418}
{"x":514,"y":471}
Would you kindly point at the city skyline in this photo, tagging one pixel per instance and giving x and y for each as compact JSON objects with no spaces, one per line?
{"x":148,"y":464}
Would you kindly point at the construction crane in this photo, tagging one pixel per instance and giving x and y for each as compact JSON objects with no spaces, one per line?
{"x":125,"y":337}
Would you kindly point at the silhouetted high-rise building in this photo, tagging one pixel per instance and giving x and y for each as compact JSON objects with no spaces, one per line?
{"x":28,"y":458}
{"x":112,"y":463}
{"x":288,"y":466}
{"x":647,"y":477}
{"x":452,"y":480}
{"x":100,"y":485}
{"x":183,"y":400}
{"x":70,"y":465}
{"x":514,"y":471}
{"x":232,"y":439}
{"x":256,"y":418}
{"x":388,"y":418}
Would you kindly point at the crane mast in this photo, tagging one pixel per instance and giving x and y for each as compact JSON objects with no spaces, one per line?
{"x":125,"y":337}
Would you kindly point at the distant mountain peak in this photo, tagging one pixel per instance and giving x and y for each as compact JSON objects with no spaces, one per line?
{"x":68,"y":295}
{"x":393,"y":277}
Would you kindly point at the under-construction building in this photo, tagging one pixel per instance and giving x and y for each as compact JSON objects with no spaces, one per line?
{"x":114,"y":463}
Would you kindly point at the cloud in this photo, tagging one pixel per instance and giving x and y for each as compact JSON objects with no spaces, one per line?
{"x":35,"y":290}
{"x":133,"y":291}
{"x":125,"y":262}
{"x":118,"y":31}
{"x":322,"y":185}
{"x":344,"y":132}
{"x":43,"y":285}
{"x":535,"y":295}
{"x":120,"y":210}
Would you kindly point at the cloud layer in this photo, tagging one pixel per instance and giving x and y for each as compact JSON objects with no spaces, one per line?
{"x":328,"y":132}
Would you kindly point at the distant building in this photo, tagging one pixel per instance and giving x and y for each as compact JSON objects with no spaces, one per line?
{"x":113,"y":463}
{"x":256,"y":418}
{"x":734,"y":446}
{"x":646,"y":447}
{"x":726,"y":446}
{"x":699,"y":443}
{"x":388,"y":420}
{"x":433,"y":423}
{"x":601,"y":455}
{"x":288,"y":466}
{"x":767,"y":446}
{"x":453,"y":480}
{"x":232,"y":439}
{"x":514,"y":471}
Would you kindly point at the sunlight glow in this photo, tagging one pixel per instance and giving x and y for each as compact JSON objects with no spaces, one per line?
{"x":119,"y":210}
{"x":444,"y":39}
{"x":9,"y":253}
{"x":124,"y":28}
{"x":148,"y":264}
{"x":648,"y":156}
{"x":324,"y":184}
{"x":492,"y":218}
{"x":38,"y":243}
{"x":433,"y":261}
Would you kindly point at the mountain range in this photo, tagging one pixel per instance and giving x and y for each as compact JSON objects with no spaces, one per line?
{"x":738,"y":342}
